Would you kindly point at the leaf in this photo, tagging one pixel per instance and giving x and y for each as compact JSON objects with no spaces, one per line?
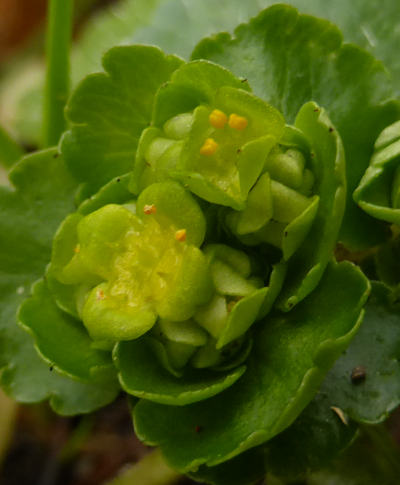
{"x":376,"y":348}
{"x":246,"y":469}
{"x":31,"y":213}
{"x":378,"y":191}
{"x":289,"y":59}
{"x":311,"y":442}
{"x":143,"y":376}
{"x":177,"y":25}
{"x":370,"y":25}
{"x":291,"y":354}
{"x":62,"y":340}
{"x":373,"y":458}
{"x":108,"y":112}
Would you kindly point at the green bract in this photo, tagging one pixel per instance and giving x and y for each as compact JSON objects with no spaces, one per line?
{"x":378,"y":193}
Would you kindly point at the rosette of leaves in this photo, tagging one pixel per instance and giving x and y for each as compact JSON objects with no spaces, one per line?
{"x":206,"y":272}
{"x":195,"y":265}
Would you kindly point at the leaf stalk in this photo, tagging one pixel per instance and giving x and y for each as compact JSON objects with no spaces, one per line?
{"x":151,"y":470}
{"x":59,"y":28}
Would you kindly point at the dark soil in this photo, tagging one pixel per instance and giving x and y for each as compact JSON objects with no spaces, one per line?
{"x":90,"y":450}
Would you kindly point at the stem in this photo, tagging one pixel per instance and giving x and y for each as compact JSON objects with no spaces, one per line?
{"x":59,"y":27}
{"x":78,"y":438}
{"x":151,"y":470}
{"x":10,"y":151}
{"x":8,"y":410}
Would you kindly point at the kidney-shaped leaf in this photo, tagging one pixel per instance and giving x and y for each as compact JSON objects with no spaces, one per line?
{"x":108,"y":111}
{"x":61,"y":339}
{"x":42,"y":197}
{"x":291,"y":354}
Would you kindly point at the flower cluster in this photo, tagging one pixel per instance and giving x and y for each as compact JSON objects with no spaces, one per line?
{"x":223,"y":195}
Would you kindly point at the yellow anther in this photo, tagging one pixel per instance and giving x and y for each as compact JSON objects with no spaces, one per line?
{"x":100,"y":295}
{"x":237,"y":122}
{"x":218,"y":118}
{"x":149,"y":209}
{"x":180,"y":235}
{"x":209,"y":147}
{"x":77,"y":249}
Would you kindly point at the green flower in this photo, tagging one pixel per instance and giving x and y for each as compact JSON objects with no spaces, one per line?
{"x":131,"y":264}
{"x":216,"y":147}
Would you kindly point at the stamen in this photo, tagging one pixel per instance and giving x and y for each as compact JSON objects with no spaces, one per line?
{"x":218,"y":119}
{"x":100,"y":295}
{"x":237,"y":122}
{"x":77,"y":249}
{"x":180,"y":235}
{"x":149,"y":209}
{"x":209,"y":147}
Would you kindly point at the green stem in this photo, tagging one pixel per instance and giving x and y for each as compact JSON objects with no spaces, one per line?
{"x":151,"y":470}
{"x":59,"y":27}
{"x":10,"y":151}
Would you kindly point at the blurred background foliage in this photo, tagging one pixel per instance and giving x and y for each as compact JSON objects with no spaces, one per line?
{"x":101,"y":24}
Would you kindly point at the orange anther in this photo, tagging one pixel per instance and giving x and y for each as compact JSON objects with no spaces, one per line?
{"x":209,"y":147}
{"x":149,"y":209}
{"x":77,"y":249}
{"x":100,"y":295}
{"x":218,"y":118}
{"x":237,"y":122}
{"x":180,"y":235}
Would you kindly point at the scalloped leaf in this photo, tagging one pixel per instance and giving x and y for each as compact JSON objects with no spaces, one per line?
{"x":289,"y":59}
{"x":291,"y":354}
{"x":368,"y":24}
{"x":376,"y":350}
{"x":141,"y":375}
{"x":246,"y":469}
{"x":375,"y":194}
{"x":43,"y":195}
{"x":108,"y":112}
{"x":61,"y":339}
{"x":316,"y":438}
